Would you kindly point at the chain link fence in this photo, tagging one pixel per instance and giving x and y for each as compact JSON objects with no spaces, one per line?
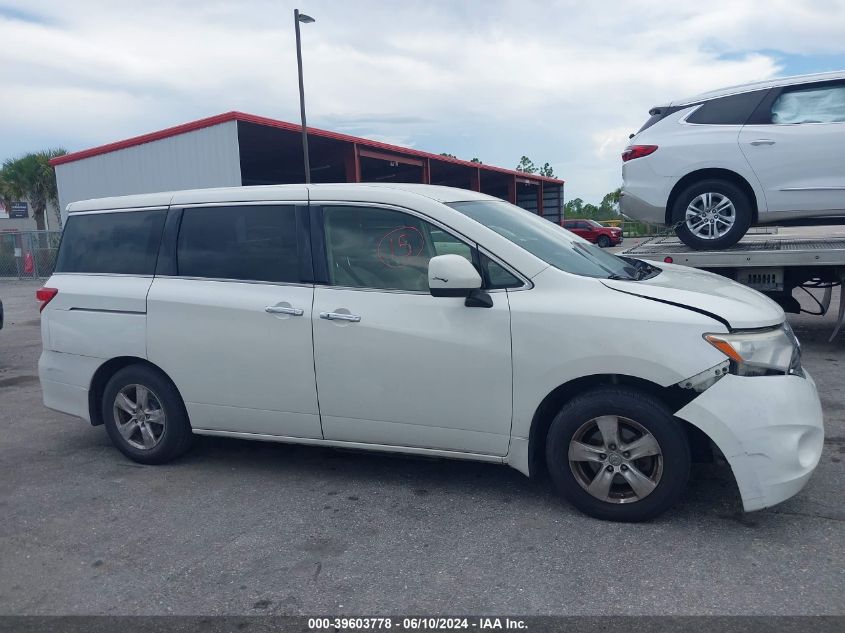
{"x":28,"y":254}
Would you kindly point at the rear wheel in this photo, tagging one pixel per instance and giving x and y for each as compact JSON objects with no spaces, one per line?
{"x":618,"y":454}
{"x":603,"y":241}
{"x":713,"y":214}
{"x":144,"y":415}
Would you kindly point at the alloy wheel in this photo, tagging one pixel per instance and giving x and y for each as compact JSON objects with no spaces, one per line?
{"x":615,"y":459}
{"x":710,"y":215}
{"x":139,"y":416}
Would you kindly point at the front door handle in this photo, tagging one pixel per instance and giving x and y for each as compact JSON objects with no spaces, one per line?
{"x":339,"y":316}
{"x":284,"y":310}
{"x":762,"y":141}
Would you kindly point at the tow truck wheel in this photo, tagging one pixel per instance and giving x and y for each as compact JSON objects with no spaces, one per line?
{"x":713,"y":214}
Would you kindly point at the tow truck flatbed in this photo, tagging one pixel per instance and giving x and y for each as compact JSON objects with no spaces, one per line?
{"x":781,"y":251}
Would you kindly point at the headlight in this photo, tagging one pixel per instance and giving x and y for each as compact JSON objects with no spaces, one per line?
{"x":769,"y":352}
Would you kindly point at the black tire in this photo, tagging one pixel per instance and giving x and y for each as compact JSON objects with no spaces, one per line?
{"x":742,"y":214}
{"x":603,"y":241}
{"x":669,"y":471}
{"x":172,"y":437}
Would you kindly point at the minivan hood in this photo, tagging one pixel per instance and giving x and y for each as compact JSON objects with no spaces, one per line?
{"x":742,"y":307}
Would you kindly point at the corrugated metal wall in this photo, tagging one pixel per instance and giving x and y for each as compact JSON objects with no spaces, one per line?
{"x":208,"y":157}
{"x":553,"y":202}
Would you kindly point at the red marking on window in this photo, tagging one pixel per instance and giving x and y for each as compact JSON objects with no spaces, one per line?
{"x":400,"y":243}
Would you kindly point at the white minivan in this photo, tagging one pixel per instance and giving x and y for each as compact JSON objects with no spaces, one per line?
{"x":425,"y":320}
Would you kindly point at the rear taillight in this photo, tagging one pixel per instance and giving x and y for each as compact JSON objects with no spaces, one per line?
{"x":637,"y":151}
{"x":45,"y":296}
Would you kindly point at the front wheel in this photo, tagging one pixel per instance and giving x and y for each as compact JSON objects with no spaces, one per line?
{"x":603,"y":241}
{"x":711,"y":215}
{"x":618,"y":454}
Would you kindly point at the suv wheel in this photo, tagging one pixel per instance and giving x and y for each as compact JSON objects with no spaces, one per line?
{"x":603,"y":241}
{"x":714,"y":214}
{"x":618,"y":454}
{"x":144,"y":415}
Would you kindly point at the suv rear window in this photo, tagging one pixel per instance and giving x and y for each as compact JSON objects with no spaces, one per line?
{"x":124,"y":242}
{"x":657,"y":114}
{"x":730,"y":110}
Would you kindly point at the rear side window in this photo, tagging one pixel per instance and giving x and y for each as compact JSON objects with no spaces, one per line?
{"x":121,"y":242}
{"x":824,"y":104}
{"x":252,"y":243}
{"x":730,"y":110}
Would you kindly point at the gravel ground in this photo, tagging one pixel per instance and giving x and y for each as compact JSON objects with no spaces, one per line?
{"x":249,"y":528}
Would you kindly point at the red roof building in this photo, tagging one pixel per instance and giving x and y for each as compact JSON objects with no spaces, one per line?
{"x":238,"y":149}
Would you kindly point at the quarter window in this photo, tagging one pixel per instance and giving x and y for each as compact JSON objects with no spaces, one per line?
{"x":497,"y":276}
{"x":253,"y":243}
{"x":810,"y":105}
{"x":730,"y":110}
{"x":370,"y":247}
{"x":123,"y":242}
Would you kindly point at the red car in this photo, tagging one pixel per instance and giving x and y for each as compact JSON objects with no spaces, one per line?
{"x":594,"y":232}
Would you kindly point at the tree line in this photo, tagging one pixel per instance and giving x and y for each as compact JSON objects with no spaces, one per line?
{"x":608,"y":209}
{"x":525,"y":165}
{"x":31,"y":177}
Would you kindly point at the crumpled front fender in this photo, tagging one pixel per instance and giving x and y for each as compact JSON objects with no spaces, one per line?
{"x":769,"y":429}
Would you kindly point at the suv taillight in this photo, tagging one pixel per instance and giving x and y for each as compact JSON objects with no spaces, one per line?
{"x":45,"y":296}
{"x":637,"y":151}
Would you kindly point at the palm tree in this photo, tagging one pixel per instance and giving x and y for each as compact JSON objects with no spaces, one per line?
{"x":32,"y":177}
{"x":7,"y":193}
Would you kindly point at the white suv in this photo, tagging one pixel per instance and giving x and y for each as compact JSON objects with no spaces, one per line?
{"x":714,"y":164}
{"x":424,"y":320}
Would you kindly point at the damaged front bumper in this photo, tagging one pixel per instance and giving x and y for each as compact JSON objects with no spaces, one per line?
{"x":769,"y":429}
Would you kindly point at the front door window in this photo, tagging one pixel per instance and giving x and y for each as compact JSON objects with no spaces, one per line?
{"x":370,"y":247}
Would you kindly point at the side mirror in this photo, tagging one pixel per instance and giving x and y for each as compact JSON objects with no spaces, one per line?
{"x":452,"y":276}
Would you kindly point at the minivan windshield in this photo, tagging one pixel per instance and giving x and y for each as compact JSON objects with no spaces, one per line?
{"x":551,"y":243}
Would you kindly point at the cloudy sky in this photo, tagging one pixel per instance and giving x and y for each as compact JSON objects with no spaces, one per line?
{"x":563,"y":82}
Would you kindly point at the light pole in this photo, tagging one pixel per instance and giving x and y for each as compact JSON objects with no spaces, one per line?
{"x":305,"y":19}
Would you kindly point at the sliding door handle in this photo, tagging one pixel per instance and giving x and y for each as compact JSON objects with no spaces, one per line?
{"x":284,"y":310}
{"x":340,"y":316}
